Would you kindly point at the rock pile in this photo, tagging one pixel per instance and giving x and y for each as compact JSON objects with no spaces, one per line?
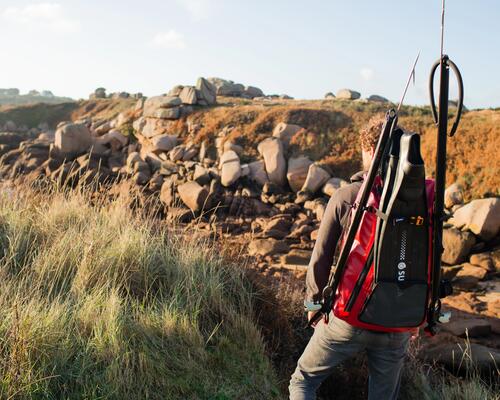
{"x":229,"y":88}
{"x":100,"y":93}
{"x":348,"y":94}
{"x":196,"y":177}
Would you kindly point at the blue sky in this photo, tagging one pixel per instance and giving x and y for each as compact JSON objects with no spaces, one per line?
{"x":302,"y":48}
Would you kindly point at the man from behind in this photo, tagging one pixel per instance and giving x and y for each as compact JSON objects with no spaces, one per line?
{"x":336,"y":340}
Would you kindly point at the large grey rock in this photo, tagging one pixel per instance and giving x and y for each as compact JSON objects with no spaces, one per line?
{"x":155,"y":102}
{"x":298,"y":168}
{"x":175,"y":91}
{"x":258,"y":172}
{"x":453,"y":195}
{"x":167,"y":192}
{"x":252,"y":91}
{"x":189,"y":153}
{"x":483,"y":260}
{"x":115,"y":139}
{"x":457,"y":246}
{"x":348,"y":94}
{"x":167,"y":113}
{"x":188,"y":95}
{"x":296,"y":257}
{"x":100,"y":93}
{"x":176,"y":153}
{"x":193,"y":195}
{"x":230,"y":168}
{"x":482,"y":217}
{"x":452,"y":356}
{"x":201,"y":175}
{"x":472,"y":270}
{"x":207,"y":91}
{"x":139,"y":124}
{"x":72,"y":139}
{"x":226,"y":87}
{"x":285,"y":132}
{"x":271,"y":149}
{"x":377,"y":98}
{"x":316,"y":178}
{"x":267,"y":247}
{"x":150,"y":127}
{"x":471,"y":327}
{"x":495,"y":257}
{"x":332,"y":185}
{"x":154,"y":105}
{"x":163,"y":143}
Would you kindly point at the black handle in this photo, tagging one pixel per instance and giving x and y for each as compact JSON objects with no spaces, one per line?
{"x":460,"y":103}
{"x":431,"y":90}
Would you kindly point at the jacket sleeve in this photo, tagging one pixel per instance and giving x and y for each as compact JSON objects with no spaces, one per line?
{"x":329,"y":233}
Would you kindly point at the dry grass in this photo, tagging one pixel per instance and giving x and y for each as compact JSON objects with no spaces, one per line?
{"x":430,"y":382}
{"x":331,"y":136}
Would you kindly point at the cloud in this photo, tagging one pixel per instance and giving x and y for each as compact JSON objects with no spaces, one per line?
{"x":169,"y":40}
{"x":366,"y":73}
{"x":41,"y":15}
{"x":199,"y":9}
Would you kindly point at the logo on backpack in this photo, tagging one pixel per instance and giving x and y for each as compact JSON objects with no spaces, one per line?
{"x":402,"y":254}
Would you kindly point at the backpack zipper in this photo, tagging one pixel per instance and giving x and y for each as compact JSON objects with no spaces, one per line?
{"x":360,"y":281}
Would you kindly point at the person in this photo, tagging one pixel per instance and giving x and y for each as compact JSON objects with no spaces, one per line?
{"x":336,"y":340}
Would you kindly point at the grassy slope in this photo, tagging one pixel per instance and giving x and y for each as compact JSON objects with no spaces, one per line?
{"x":95,"y":303}
{"x":33,"y":114}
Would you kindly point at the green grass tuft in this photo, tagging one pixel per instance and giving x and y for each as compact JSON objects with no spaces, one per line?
{"x":96,"y":304}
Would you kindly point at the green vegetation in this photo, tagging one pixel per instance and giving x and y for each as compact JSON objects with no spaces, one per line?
{"x":95,"y":303}
{"x":31,"y":99}
{"x":34,"y":114}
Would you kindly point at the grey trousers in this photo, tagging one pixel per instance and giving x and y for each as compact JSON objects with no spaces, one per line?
{"x":337,"y":341}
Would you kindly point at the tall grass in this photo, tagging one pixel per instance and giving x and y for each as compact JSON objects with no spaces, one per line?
{"x":98,"y":304}
{"x":429,"y":382}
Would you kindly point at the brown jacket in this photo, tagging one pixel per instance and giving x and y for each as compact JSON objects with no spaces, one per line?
{"x":329,"y":233}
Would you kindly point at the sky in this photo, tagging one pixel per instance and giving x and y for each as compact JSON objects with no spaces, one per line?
{"x":300,"y":48}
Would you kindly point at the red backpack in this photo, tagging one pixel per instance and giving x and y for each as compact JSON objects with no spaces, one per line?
{"x":395,"y":297}
{"x":386,"y":279}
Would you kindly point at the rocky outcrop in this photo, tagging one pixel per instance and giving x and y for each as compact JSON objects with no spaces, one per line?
{"x":316,"y":178}
{"x":453,"y":195}
{"x":229,"y":88}
{"x":457,"y":245}
{"x":72,"y":139}
{"x":230,"y":168}
{"x":377,"y":98}
{"x":298,"y":168}
{"x":271,"y":149}
{"x":348,"y":94}
{"x":193,"y":195}
{"x":206,"y":92}
{"x":482,"y":217}
{"x":285,"y":132}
